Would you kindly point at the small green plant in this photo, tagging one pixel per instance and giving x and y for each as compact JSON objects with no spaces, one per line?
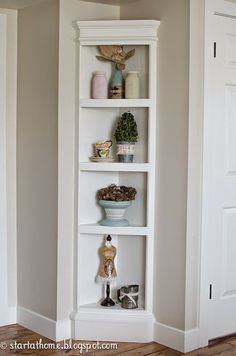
{"x":126,"y":130}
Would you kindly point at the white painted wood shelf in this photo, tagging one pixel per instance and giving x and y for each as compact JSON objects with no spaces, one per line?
{"x":95,"y":307}
{"x":113,"y":230}
{"x":114,"y":167}
{"x":115,"y":103}
{"x":97,"y":120}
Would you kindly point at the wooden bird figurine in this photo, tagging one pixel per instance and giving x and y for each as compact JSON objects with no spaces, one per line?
{"x":115,"y":54}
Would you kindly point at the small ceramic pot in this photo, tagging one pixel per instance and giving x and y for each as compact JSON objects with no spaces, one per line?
{"x":115,"y":211}
{"x":128,"y":296}
{"x":125,"y":152}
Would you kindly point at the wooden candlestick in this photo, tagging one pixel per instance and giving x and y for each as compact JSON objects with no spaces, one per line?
{"x":108,"y":302}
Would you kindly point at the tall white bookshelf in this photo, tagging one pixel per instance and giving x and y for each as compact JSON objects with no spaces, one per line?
{"x":134,"y":243}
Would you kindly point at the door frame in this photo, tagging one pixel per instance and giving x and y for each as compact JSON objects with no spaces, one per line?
{"x":204,"y":243}
{"x":7,"y":311}
{"x":3,"y":173}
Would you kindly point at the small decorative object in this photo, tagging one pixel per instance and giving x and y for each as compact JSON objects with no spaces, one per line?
{"x":107,"y":272}
{"x":102,"y":149}
{"x":99,"y":85}
{"x":126,"y":135}
{"x":116,"y":90}
{"x":100,"y":159}
{"x":128,"y":296}
{"x":115,"y":199}
{"x":132,"y":85}
{"x":115,"y":54}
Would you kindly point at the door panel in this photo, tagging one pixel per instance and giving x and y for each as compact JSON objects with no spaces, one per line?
{"x":230,"y":128}
{"x":231,"y":50}
{"x":228,"y":253}
{"x":220,"y":172}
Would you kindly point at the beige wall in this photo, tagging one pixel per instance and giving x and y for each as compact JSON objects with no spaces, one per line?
{"x":45,"y":259}
{"x":67,"y":223}
{"x":37,"y":165}
{"x":11,"y":150}
{"x":172,"y":150}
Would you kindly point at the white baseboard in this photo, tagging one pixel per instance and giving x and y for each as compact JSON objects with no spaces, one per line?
{"x":183,"y":341}
{"x":54,"y":330}
{"x":192,"y":341}
{"x":96,"y":326}
{"x":8,"y":316}
{"x":63,"y":329}
{"x":36,"y":322}
{"x":112,"y":327}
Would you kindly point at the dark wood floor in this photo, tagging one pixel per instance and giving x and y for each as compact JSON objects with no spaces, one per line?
{"x":17,"y":334}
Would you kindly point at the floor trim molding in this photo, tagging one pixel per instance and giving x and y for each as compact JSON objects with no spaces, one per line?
{"x":192,"y":341}
{"x":183,"y":341}
{"x":91,"y":327}
{"x":128,"y":327}
{"x":8,"y":316}
{"x":54,"y":330}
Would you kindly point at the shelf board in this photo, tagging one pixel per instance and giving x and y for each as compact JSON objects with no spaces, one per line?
{"x":115,"y":103}
{"x":95,"y":307}
{"x":116,"y":230}
{"x":114,"y":167}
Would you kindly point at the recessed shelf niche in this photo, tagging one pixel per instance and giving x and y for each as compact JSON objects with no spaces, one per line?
{"x":100,"y":124}
{"x":90,"y":63}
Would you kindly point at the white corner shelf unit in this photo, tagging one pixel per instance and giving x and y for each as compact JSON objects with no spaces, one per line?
{"x":134,"y":243}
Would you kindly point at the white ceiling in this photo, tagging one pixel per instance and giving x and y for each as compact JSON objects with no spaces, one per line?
{"x":19,"y":4}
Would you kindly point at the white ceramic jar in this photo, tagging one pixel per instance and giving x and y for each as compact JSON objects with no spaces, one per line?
{"x":99,"y":85}
{"x":132,"y":85}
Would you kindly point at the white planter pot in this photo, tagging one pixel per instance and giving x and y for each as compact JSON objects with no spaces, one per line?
{"x":115,"y":212}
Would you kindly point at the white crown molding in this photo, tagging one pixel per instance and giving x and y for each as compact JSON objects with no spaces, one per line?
{"x":125,"y":29}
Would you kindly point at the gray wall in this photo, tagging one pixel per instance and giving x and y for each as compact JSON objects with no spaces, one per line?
{"x":172,"y":152}
{"x":37,"y":152}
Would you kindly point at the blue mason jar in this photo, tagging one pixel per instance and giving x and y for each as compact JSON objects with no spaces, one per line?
{"x":117,"y":85}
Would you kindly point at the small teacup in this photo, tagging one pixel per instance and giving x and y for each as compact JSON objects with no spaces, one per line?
{"x":102,"y":149}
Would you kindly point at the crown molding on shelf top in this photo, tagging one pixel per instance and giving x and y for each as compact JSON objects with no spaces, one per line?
{"x":90,"y":30}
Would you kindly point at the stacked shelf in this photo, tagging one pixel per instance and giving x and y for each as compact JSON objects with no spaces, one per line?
{"x":120,"y":103}
{"x":134,"y":243}
{"x":114,"y":167}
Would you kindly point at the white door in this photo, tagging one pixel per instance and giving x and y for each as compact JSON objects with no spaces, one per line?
{"x":219,"y":172}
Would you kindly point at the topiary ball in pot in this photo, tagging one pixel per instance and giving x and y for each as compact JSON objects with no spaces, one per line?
{"x":126,"y":134}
